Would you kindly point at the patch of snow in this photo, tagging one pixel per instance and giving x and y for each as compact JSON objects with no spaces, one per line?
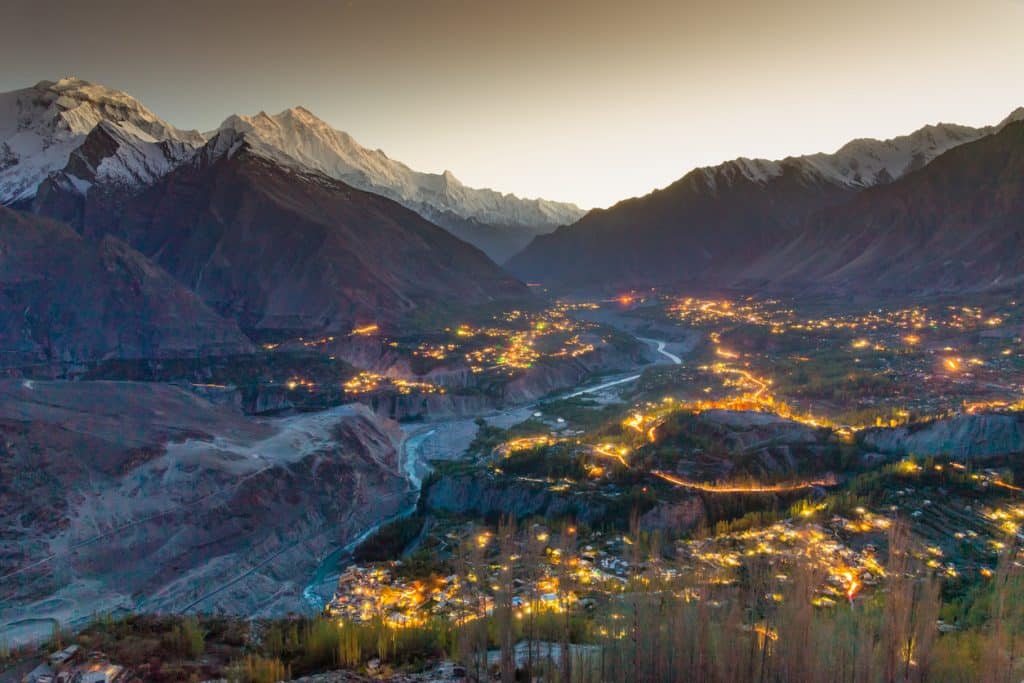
{"x":140,"y":159}
{"x":82,"y":186}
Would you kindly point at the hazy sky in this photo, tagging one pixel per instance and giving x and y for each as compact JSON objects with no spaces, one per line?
{"x":589,"y":102}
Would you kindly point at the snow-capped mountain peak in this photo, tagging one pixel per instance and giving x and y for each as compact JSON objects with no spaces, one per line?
{"x":70,"y":136}
{"x":866,"y":162}
{"x":298,"y":136}
{"x":860,"y":163}
{"x":41,"y":126}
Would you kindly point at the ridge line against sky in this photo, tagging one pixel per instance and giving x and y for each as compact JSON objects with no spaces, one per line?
{"x":585,"y":102}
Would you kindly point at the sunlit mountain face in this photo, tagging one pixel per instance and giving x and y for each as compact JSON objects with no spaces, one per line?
{"x":87,"y":135}
{"x":276,"y":404}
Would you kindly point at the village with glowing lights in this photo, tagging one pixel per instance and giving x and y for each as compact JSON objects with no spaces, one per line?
{"x":544,"y":342}
{"x":717,"y":467}
{"x":576,"y":460}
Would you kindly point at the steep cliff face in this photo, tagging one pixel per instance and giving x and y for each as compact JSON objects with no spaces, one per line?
{"x":479,"y":495}
{"x":429,"y":406}
{"x":145,"y":496}
{"x":964,"y":437}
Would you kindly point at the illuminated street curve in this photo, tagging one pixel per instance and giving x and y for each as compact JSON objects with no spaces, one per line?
{"x":733,"y":488}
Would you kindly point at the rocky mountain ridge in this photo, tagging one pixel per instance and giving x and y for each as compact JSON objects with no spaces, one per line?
{"x":61,"y":141}
{"x":737,"y":224}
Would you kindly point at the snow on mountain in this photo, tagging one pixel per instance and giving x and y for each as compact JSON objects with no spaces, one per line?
{"x":297,"y":136}
{"x":42,"y":126}
{"x":119,"y":156}
{"x":864,"y":162}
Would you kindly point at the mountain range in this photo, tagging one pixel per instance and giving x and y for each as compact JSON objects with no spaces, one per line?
{"x":957,"y":224}
{"x":127,"y":237}
{"x":44,"y":130}
{"x":757,"y":223}
{"x":42,"y":126}
{"x":142,"y":240}
{"x":500,"y":224}
{"x":281,"y":248}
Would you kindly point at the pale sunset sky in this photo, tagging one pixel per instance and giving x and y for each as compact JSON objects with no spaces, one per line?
{"x":589,"y":102}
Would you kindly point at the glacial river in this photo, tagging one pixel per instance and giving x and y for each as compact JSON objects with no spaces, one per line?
{"x":414,"y":465}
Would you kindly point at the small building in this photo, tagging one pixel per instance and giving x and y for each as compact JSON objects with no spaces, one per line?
{"x":100,"y":672}
{"x":63,"y":657}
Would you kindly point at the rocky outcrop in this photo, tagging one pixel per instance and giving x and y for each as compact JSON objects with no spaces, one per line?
{"x":551,"y":375}
{"x":729,"y":445}
{"x":965,"y":437}
{"x":428,"y":406}
{"x":370,"y":352}
{"x":267,"y":399}
{"x":479,"y":495}
{"x":746,"y":430}
{"x":143,"y":496}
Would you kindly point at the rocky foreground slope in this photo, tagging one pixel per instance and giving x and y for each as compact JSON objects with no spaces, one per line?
{"x":145,"y":497}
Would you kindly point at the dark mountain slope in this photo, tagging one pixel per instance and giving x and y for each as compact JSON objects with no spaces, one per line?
{"x":63,"y":298}
{"x":712,"y":221}
{"x":707,"y":229}
{"x":110,"y":165}
{"x":278,"y":248}
{"x":957,"y":223}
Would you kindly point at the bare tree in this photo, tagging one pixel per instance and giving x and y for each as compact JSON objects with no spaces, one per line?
{"x":503,"y":610}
